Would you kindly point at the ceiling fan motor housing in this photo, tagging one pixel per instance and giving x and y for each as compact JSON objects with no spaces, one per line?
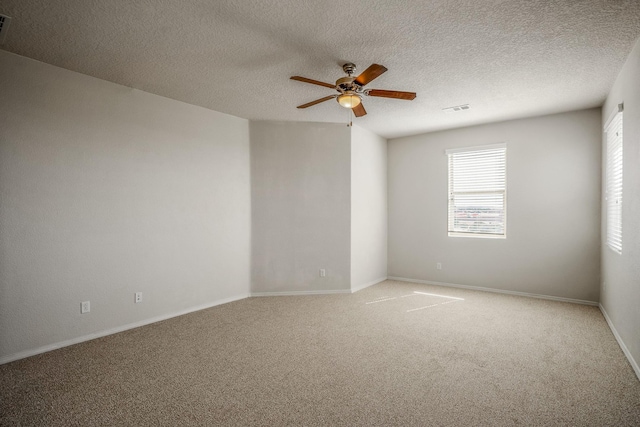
{"x":346,"y":84}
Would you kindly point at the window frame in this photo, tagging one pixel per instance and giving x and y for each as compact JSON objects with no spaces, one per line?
{"x":451,"y":232}
{"x":614,"y":179}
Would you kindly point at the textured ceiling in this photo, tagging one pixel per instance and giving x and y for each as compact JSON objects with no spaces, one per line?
{"x":507,"y":59}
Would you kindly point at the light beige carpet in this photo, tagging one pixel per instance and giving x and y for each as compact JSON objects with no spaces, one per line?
{"x":383,"y":356}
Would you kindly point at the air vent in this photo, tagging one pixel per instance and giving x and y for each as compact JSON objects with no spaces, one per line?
{"x":456,"y":109}
{"x":4,"y":27}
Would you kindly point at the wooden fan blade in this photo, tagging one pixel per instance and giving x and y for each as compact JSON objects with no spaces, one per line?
{"x":392,"y":94}
{"x":313,"y":82}
{"x":359,"y":110}
{"x":317,"y":101}
{"x":374,"y":71}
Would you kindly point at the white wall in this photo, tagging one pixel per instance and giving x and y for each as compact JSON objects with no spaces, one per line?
{"x":300,"y":192}
{"x":368,"y":208}
{"x":553,"y":208}
{"x":620,"y":291}
{"x":107,"y":191}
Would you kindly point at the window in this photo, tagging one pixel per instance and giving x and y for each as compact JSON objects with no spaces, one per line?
{"x":477,"y":191}
{"x":613,"y":195}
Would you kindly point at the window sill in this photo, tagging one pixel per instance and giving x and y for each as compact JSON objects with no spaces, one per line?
{"x":477,"y":235}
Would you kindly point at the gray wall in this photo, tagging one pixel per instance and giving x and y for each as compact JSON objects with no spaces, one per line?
{"x":106,"y":191}
{"x":368,"y":208}
{"x":553,"y":208}
{"x":300,"y":193}
{"x":620,"y":292}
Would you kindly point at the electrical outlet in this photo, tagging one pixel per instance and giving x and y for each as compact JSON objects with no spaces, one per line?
{"x":439,"y":266}
{"x":323,"y":272}
{"x":85,"y":307}
{"x":138,"y":297}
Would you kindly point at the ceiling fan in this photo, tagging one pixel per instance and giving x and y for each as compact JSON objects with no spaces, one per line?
{"x":351,"y":89}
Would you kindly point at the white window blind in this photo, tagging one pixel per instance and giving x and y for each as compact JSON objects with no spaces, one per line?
{"x":477,"y":191}
{"x":614,"y":181}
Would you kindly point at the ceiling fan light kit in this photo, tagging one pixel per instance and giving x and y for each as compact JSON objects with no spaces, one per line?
{"x":349,"y":100}
{"x":351,"y":89}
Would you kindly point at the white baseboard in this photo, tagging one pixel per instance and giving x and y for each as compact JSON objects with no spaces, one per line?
{"x":298,"y":293}
{"x":498,"y":291}
{"x":623,"y":346}
{"x":366,"y":285}
{"x":32,"y":352}
{"x":319,"y":292}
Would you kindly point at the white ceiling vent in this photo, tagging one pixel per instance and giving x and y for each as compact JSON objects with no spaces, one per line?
{"x":456,"y":109}
{"x":4,"y":26}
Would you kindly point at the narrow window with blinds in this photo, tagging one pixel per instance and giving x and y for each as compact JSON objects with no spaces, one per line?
{"x":613,"y":194}
{"x":478,"y":191}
